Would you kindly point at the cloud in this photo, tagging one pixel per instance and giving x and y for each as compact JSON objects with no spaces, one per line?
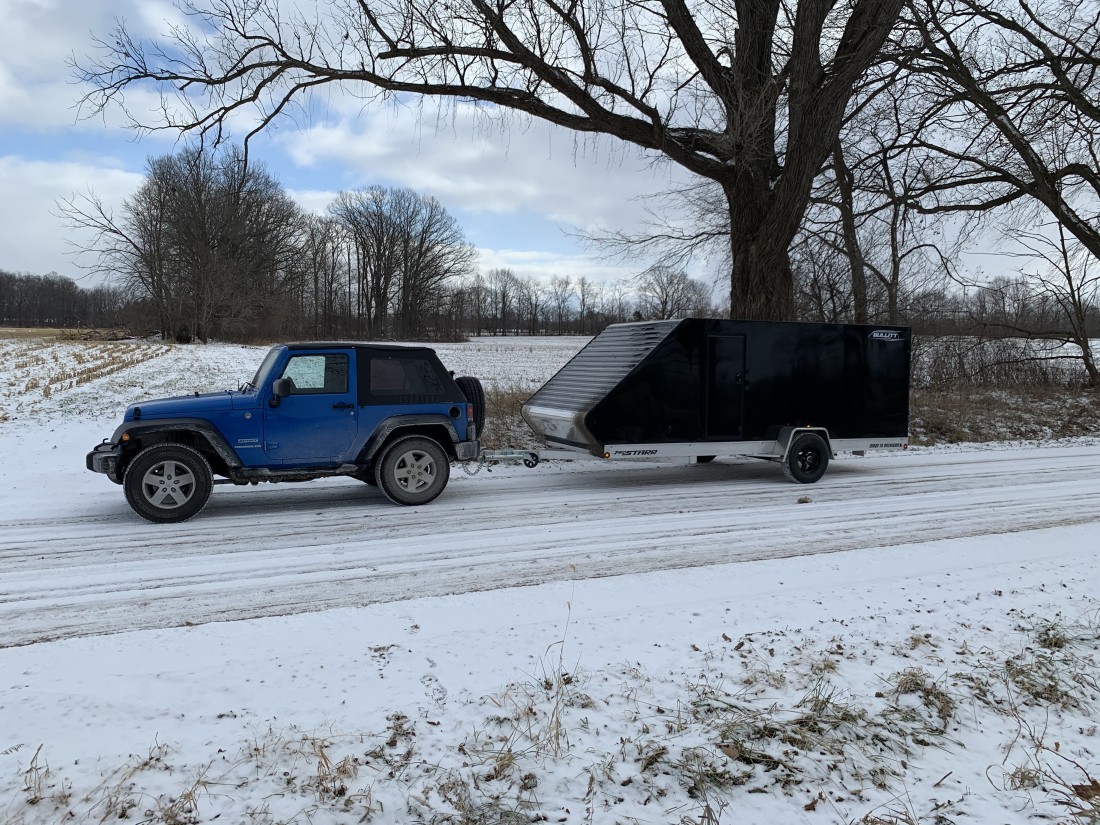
{"x":312,"y":200}
{"x":39,"y":39}
{"x":514,"y":184}
{"x":469,"y":163}
{"x":32,"y":236}
{"x":545,"y":265}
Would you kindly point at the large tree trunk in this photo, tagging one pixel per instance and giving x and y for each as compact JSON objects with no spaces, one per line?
{"x":762,"y":284}
{"x":761,"y":280}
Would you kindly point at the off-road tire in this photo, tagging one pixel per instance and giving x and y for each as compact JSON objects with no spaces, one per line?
{"x":168,"y":483}
{"x":807,"y":459}
{"x":475,"y":394}
{"x":412,"y":470}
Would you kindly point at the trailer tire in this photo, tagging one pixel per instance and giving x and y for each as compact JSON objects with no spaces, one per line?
{"x":705,"y":459}
{"x":807,"y":459}
{"x":475,"y":394}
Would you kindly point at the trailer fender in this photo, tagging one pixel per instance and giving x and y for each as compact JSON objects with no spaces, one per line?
{"x":787,"y":436}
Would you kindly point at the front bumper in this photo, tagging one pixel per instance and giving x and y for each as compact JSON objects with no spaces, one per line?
{"x":104,"y":458}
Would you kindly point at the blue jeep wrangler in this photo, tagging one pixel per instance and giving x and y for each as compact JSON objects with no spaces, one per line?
{"x":391,"y":416}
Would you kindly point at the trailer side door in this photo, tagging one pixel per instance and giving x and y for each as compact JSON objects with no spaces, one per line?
{"x":725,"y":386}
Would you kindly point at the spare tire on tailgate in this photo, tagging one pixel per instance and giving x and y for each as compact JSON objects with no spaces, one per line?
{"x":475,"y":395}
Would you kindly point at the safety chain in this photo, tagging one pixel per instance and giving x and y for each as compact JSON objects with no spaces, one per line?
{"x":478,"y":464}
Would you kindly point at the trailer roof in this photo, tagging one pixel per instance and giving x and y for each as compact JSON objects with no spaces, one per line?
{"x":605,"y":361}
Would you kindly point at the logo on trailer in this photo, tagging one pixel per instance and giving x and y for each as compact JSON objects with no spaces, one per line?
{"x":635,"y":452}
{"x":885,"y":335}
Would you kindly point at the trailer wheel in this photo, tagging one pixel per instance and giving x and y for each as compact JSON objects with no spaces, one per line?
{"x":475,"y":395}
{"x":705,"y":459}
{"x":807,"y":459}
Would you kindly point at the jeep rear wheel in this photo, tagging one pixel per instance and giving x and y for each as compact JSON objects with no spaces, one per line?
{"x":412,"y":470}
{"x":168,"y":482}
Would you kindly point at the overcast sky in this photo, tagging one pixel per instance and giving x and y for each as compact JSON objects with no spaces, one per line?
{"x":517,"y":194}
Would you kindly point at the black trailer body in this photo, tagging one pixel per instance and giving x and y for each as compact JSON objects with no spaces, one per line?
{"x":702,"y":387}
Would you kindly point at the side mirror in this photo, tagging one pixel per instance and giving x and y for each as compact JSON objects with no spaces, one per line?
{"x":280,"y":390}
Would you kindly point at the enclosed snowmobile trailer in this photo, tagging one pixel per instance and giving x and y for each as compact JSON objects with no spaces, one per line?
{"x":795,"y":393}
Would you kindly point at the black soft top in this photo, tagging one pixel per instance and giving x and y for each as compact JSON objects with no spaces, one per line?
{"x":355,"y":344}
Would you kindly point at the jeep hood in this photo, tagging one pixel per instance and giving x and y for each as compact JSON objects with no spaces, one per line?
{"x":184,"y":406}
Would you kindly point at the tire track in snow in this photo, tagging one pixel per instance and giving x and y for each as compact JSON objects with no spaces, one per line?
{"x":280,"y":551}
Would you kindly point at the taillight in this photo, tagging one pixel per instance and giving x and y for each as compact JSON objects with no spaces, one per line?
{"x":470,"y":413}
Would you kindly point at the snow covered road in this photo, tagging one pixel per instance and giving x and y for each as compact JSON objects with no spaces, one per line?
{"x":85,"y":564}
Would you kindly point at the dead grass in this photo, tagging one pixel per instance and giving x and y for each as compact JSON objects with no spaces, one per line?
{"x":725,"y":737}
{"x":23,"y":333}
{"x":933,"y":696}
{"x":505,"y":426}
{"x":954,"y":414}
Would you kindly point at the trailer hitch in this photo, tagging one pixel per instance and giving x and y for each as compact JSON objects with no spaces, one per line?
{"x":529,"y":458}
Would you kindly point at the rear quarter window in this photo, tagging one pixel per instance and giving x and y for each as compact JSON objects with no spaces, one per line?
{"x":404,"y":380}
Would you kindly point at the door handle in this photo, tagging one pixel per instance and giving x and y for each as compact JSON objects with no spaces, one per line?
{"x":343,"y":406}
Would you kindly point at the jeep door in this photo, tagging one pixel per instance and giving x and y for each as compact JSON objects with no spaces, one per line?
{"x":317,"y":421}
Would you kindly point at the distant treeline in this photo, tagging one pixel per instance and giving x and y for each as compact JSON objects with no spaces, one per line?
{"x":58,"y":302}
{"x":501,"y":303}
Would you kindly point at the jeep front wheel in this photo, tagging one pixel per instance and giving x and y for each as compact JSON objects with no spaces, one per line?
{"x":412,"y":470}
{"x":168,"y":482}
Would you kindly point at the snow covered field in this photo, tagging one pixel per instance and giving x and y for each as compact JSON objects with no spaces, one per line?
{"x":653,"y":643}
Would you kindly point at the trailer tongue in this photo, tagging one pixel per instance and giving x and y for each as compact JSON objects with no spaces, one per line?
{"x":795,"y":393}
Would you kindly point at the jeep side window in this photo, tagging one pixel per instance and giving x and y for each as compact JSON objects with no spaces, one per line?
{"x":313,"y":374}
{"x":403,"y":380}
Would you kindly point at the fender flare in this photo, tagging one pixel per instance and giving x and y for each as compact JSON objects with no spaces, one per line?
{"x":197,"y":425}
{"x":400,"y":422}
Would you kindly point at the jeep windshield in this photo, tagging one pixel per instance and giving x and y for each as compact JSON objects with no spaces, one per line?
{"x":261,"y":373}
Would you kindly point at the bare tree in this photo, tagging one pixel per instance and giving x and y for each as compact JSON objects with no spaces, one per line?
{"x":749,"y":94}
{"x":407,"y":248}
{"x":480,"y":301}
{"x":321,"y":260}
{"x":502,"y":283}
{"x":205,"y":237}
{"x":587,"y":294}
{"x":865,"y":244}
{"x":616,"y":305}
{"x":561,"y":293}
{"x":823,"y":288}
{"x":433,"y":251}
{"x":1012,"y":119}
{"x":1057,"y":301}
{"x":53,"y":300}
{"x":664,"y":292}
{"x":531,"y":302}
